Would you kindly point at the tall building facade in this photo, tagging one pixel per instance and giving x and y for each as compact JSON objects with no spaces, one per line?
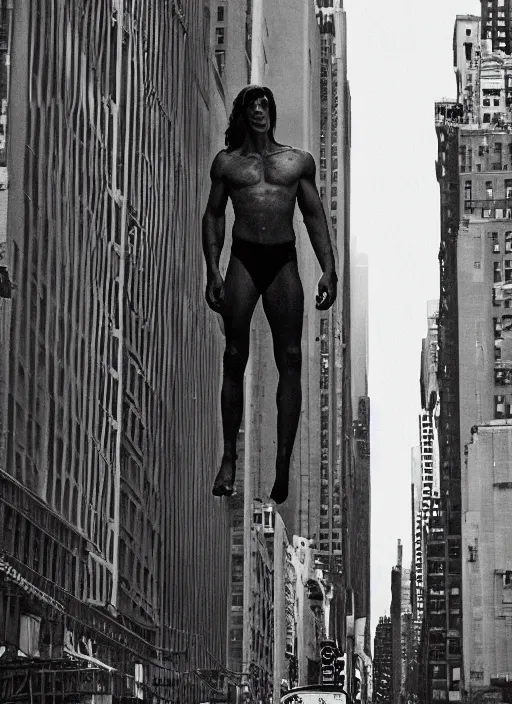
{"x":476,"y":210}
{"x":5,"y":283}
{"x":425,"y":503}
{"x":382,"y":662}
{"x":113,"y":550}
{"x":396,"y":627}
{"x":497,"y":24}
{"x":418,"y":535}
{"x":361,"y":434}
{"x":487,"y":566}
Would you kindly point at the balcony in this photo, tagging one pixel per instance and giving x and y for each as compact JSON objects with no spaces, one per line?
{"x":449,"y":112}
{"x":500,"y":209}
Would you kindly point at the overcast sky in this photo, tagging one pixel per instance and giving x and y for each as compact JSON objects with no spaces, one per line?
{"x":399,"y":62}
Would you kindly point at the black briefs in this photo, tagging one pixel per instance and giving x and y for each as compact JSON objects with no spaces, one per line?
{"x":263,"y":261}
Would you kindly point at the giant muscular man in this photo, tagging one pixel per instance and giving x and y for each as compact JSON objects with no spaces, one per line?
{"x":264,"y":180}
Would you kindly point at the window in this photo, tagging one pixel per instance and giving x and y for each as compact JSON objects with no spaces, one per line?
{"x":29,"y":634}
{"x":495,"y":242}
{"x":139,"y":680}
{"x":508,"y":188}
{"x":467,"y":195}
{"x":486,"y":102}
{"x":508,"y":241}
{"x":220,"y":58}
{"x":439,"y":672}
{"x":499,"y":406}
{"x":497,"y":272}
{"x":487,"y":117}
{"x":481,"y":150}
{"x":508,"y":270}
{"x":220,"y":13}
{"x":496,"y":102}
{"x":468,"y":32}
{"x":219,"y":35}
{"x":488,"y":190}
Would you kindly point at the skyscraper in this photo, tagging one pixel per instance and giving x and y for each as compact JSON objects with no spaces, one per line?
{"x":425,"y":504}
{"x":112,"y":359}
{"x":476,"y":209}
{"x":497,"y":24}
{"x":382,"y":662}
{"x":361,"y":429}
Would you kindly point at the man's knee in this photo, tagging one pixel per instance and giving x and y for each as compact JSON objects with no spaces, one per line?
{"x":292,"y":358}
{"x":235,"y":361}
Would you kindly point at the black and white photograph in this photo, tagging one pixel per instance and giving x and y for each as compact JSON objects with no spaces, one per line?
{"x":255,"y":376}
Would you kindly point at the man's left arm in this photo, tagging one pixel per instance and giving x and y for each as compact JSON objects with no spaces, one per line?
{"x":311,"y":208}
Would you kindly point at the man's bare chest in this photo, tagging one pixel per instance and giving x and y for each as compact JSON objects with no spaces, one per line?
{"x":278,"y":170}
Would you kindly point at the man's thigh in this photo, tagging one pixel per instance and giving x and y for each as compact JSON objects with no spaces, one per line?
{"x":283,"y":302}
{"x":240,"y":300}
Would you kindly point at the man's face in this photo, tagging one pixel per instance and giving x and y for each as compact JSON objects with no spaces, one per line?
{"x":257,"y":114}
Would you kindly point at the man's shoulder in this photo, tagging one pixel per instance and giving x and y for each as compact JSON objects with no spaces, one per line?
{"x":307,"y":162}
{"x":304,"y":158}
{"x":219,"y":163}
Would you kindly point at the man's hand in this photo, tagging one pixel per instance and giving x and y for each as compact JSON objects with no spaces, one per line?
{"x":326,"y":290}
{"x":215,"y":292}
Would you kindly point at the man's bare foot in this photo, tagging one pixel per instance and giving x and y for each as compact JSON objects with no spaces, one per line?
{"x":225,"y":479}
{"x":279,"y":492}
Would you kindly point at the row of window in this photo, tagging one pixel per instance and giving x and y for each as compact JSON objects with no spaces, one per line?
{"x":488,"y":213}
{"x":496,"y":244}
{"x":490,"y":192}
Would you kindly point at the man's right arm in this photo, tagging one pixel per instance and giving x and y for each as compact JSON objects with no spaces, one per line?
{"x":214,"y":220}
{"x":214,"y":223}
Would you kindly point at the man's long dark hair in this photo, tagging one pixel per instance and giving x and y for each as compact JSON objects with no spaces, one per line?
{"x":237,"y":128}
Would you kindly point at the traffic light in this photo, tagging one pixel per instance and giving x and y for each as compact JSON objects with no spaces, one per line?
{"x":339,"y":670}
{"x":328,"y":654}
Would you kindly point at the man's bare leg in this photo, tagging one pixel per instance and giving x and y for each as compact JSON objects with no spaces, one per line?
{"x":283,"y":303}
{"x":241,"y":297}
